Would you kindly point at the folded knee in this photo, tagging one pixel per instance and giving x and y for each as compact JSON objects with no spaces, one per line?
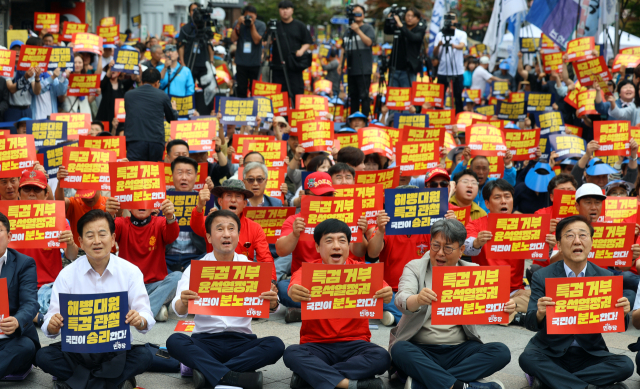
{"x":291,"y":355}
{"x":176,"y":342}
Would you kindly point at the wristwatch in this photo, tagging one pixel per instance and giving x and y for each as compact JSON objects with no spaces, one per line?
{"x":172,"y":219}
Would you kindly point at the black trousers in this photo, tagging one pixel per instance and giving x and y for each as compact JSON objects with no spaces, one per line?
{"x":144,"y":151}
{"x":359,"y":100}
{"x":324,"y":365}
{"x":52,"y":361}
{"x":244,"y":76}
{"x":439,"y":366}
{"x":458,"y":85}
{"x":295,"y":80}
{"x":576,"y":369}
{"x":214,"y":355}
{"x":16,"y":355}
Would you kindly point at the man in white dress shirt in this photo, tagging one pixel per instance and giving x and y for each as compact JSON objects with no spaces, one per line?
{"x":97,"y":272}
{"x":223,"y":349}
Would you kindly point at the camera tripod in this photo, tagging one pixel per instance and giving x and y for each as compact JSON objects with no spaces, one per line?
{"x":446,"y":51}
{"x":385,"y":64}
{"x":270,"y":36}
{"x":200,"y":41}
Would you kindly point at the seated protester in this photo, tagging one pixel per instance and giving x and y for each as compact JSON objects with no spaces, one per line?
{"x":571,"y":360}
{"x":33,"y":186}
{"x":216,"y":170}
{"x":320,"y":163}
{"x":531,"y":194}
{"x":498,"y":195}
{"x":352,"y":156}
{"x":465,"y":191}
{"x":19,"y":341}
{"x":342,"y":174}
{"x":142,"y":239}
{"x":480,"y":166}
{"x":440,"y":356}
{"x":98,"y":271}
{"x":618,"y":188}
{"x":597,"y":172}
{"x":9,"y":188}
{"x":255,"y":176}
{"x":395,"y":251}
{"x":305,"y":251}
{"x":567,"y":164}
{"x":335,"y":352}
{"x":223,"y":350}
{"x":627,"y":91}
{"x":233,"y":196}
{"x":294,"y":169}
{"x":189,"y":245}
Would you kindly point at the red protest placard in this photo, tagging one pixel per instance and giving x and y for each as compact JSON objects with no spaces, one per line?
{"x":522,"y":143}
{"x":230,"y":288}
{"x":260,"y":88}
{"x":473,"y":94}
{"x":273,"y":152}
{"x":109,"y":34}
{"x":238,"y":143}
{"x":626,"y":60}
{"x":296,"y":116}
{"x":280,"y":103}
{"x":347,"y":139}
{"x":612,"y":244}
{"x":83,"y":84}
{"x":389,"y":178}
{"x":115,"y":143}
{"x":470,"y":295}
{"x":463,"y":214}
{"x":372,"y":196}
{"x":577,"y":48}
{"x":564,"y":203}
{"x":86,"y":42}
{"x":120,"y":113}
{"x":88,"y":168}
{"x":342,"y":291}
{"x":199,"y":134}
{"x":35,"y":223}
{"x":318,"y":104}
{"x":552,"y":62}
{"x":33,"y":57}
{"x":416,"y":158}
{"x":518,"y":236}
{"x":315,"y":135}
{"x":585,"y":305}
{"x":17,"y":152}
{"x":46,"y":21}
{"x":168,"y":30}
{"x":398,"y":99}
{"x":587,"y":70}
{"x":185,"y":326}
{"x":586,"y":103}
{"x":613,"y":136}
{"x":77,"y":123}
{"x":314,"y":210}
{"x":70,"y":29}
{"x":201,"y":177}
{"x":271,"y":219}
{"x":108,"y":21}
{"x":7,"y":63}
{"x":486,"y":140}
{"x":424,"y":92}
{"x":322,"y":86}
{"x":138,"y":185}
{"x":440,"y":117}
{"x":620,"y":209}
{"x":375,"y":140}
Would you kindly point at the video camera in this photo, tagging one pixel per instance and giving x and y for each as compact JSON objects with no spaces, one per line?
{"x":390,"y":26}
{"x":449,"y":27}
{"x":272,"y":24}
{"x":203,"y":21}
{"x":350,"y":14}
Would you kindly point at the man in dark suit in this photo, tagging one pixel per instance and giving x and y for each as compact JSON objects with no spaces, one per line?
{"x":149,"y":107}
{"x":571,"y":361}
{"x":19,"y":341}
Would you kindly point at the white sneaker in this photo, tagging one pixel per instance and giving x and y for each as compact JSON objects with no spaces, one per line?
{"x":407,"y":384}
{"x":388,"y":319}
{"x":163,"y":314}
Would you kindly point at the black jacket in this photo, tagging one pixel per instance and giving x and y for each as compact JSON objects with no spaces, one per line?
{"x":412,"y":41}
{"x":4,"y":98}
{"x":557,"y":345}
{"x":148,"y":108}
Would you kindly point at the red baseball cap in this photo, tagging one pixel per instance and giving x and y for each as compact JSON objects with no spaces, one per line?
{"x":435,"y":172}
{"x":319,"y":183}
{"x":33,"y":177}
{"x":85,"y":193}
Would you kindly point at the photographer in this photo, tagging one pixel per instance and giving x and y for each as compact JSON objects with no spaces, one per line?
{"x":186,"y":39}
{"x":296,"y":40}
{"x":357,"y":43}
{"x":451,"y":59}
{"x":408,"y":53}
{"x":247,"y":32}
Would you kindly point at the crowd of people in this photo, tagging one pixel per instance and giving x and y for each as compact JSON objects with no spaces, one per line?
{"x":146,"y":253}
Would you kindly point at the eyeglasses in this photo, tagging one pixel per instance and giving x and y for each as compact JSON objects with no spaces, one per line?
{"x":442,"y":184}
{"x":436,"y":248}
{"x":468,"y":182}
{"x":282,"y":125}
{"x":259,"y":180}
{"x":30,"y":188}
{"x":572,"y":237}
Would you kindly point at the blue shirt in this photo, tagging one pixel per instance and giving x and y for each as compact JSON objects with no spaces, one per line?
{"x":509,"y":176}
{"x":181,"y":86}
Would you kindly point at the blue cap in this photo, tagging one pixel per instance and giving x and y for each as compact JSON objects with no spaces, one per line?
{"x":511,"y":126}
{"x":598,"y":168}
{"x":345,"y":130}
{"x":618,"y":183}
{"x":538,"y":178}
{"x":569,"y":161}
{"x":15,"y":43}
{"x":24,"y":119}
{"x":109,"y":46}
{"x":356,"y":115}
{"x":336,"y":100}
{"x":505,"y":65}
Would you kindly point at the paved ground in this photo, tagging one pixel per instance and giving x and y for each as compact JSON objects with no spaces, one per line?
{"x":277,"y":376}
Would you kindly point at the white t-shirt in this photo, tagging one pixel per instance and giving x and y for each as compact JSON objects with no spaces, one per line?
{"x":479,"y":78}
{"x":451,"y":60}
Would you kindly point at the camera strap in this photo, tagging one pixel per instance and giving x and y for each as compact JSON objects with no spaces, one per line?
{"x":173,"y":78}
{"x":286,"y":39}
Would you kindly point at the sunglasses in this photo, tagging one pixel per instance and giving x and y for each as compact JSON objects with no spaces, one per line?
{"x":259,"y":180}
{"x":442,"y":184}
